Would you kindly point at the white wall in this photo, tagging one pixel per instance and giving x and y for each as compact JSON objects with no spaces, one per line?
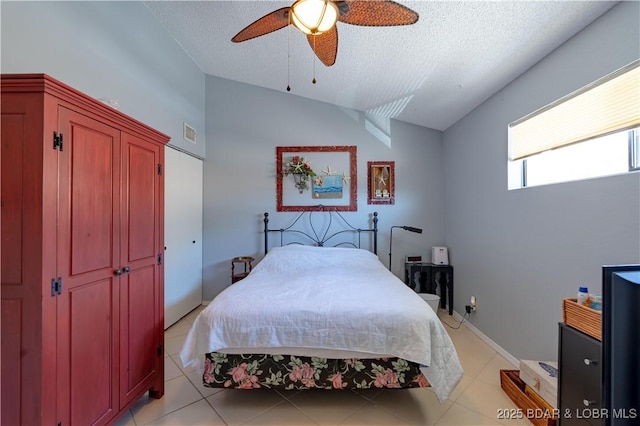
{"x":111,"y":50}
{"x":521,"y":252}
{"x":245,"y":124}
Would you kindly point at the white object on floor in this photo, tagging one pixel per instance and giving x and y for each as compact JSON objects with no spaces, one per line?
{"x":432,"y":299}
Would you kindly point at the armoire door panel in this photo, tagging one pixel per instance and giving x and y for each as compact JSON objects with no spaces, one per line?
{"x":138,"y":347}
{"x":91,"y":340}
{"x":91,"y":200}
{"x":89,"y":207}
{"x":13,"y":146}
{"x":11,"y":314}
{"x":141,"y":183}
{"x":88,"y":254}
{"x":92,"y":169}
{"x":140,"y":243}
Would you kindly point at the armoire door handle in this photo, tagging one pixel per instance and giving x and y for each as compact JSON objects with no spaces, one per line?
{"x":126,"y":269}
{"x":118,"y":272}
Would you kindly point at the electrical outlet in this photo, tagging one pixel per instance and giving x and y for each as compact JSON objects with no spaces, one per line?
{"x":473,"y":304}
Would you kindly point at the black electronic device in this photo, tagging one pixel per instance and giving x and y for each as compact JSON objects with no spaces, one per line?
{"x":621,"y":343}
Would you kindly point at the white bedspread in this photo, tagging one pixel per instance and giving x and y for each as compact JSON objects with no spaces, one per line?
{"x":325,"y":300}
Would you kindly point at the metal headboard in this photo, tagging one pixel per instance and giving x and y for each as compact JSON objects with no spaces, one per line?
{"x":322,"y":237}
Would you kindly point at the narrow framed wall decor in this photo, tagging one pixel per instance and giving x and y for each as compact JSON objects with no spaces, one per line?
{"x":381,"y":182}
{"x":315,"y":178}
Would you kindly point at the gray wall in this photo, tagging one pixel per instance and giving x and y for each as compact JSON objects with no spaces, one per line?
{"x":111,"y":50}
{"x":245,"y":124}
{"x":521,"y":252}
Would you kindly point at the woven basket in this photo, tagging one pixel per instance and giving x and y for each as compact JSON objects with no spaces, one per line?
{"x":534,"y":408}
{"x":583,"y":318}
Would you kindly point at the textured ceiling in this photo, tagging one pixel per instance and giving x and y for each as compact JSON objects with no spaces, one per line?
{"x":432,"y":73}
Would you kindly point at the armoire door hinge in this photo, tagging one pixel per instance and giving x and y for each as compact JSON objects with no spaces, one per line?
{"x":57,"y":141}
{"x":159,"y":350}
{"x":159,"y":259}
{"x":59,"y":423}
{"x":56,"y":286}
{"x":159,"y":169}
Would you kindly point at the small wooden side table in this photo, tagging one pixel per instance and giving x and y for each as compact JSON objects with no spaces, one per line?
{"x":245,"y":260}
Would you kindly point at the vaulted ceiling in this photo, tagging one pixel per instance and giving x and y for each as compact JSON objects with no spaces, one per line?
{"x":431,"y":73}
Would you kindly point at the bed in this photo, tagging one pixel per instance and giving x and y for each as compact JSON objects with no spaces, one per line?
{"x":321,"y":317}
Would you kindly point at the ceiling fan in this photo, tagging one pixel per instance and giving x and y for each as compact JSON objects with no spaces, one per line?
{"x":317,"y":19}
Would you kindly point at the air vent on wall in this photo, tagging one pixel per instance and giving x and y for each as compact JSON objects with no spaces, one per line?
{"x":188,"y":133}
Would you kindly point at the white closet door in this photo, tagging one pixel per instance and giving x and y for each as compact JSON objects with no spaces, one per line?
{"x":183,"y":235}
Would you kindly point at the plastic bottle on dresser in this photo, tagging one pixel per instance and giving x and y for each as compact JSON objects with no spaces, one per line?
{"x":583,"y":296}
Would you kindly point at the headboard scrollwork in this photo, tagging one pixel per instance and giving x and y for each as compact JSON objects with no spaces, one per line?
{"x":334,"y":228}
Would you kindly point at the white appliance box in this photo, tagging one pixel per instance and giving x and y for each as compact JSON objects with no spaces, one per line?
{"x":439,"y":256}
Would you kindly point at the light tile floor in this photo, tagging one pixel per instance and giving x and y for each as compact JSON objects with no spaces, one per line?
{"x":475,"y":401}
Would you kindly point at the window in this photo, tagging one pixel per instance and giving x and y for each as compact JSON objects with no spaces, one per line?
{"x":634,"y":151}
{"x":608,"y":155}
{"x":590,"y":133}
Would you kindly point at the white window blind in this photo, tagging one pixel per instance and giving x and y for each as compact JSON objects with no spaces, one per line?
{"x":606,"y":106}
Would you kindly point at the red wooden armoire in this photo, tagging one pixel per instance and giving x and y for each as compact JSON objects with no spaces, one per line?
{"x":82,"y":247}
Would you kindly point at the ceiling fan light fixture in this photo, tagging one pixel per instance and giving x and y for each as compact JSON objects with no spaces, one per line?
{"x":314,"y":16}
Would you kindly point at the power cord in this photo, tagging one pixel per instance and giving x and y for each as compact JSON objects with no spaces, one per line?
{"x":464,"y":317}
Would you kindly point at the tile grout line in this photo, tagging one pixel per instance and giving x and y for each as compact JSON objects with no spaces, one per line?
{"x":297,"y":408}
{"x":364,"y":403}
{"x":179,"y":408}
{"x":262,"y":412}
{"x":171,"y":412}
{"x":216,"y":411}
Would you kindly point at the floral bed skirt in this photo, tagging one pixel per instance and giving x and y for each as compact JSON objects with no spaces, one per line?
{"x":287,"y":372}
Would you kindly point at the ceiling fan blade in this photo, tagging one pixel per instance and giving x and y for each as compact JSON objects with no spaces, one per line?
{"x":267,"y":24}
{"x":325,"y":45}
{"x":375,"y":13}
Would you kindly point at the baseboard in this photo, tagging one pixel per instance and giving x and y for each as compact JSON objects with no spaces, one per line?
{"x":506,"y":355}
{"x":206,"y":302}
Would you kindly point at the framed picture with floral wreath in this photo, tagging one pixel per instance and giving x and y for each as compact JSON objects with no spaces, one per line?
{"x":381,"y":182}
{"x":314,"y":178}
